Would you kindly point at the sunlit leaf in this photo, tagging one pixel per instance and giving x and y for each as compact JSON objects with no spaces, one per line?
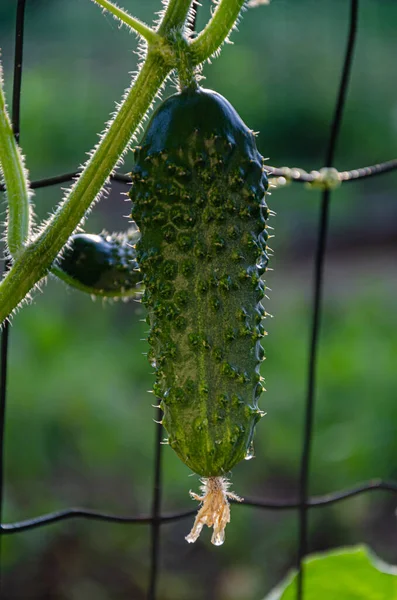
{"x":345,"y":574}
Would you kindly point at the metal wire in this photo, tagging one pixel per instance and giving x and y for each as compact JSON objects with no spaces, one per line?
{"x":295,"y":174}
{"x":317,"y":302}
{"x":298,"y":175}
{"x":156,"y":519}
{"x":277,"y":505}
{"x":3,"y":395}
{"x":156,"y":509}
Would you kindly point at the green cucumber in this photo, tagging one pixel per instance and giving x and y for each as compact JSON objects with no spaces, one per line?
{"x":198,"y":199}
{"x":102,"y":264}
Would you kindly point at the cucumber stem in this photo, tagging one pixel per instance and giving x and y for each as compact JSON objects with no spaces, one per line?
{"x":174,"y":16}
{"x":217,"y":30}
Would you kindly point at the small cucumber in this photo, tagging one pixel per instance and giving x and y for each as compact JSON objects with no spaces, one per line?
{"x":102,"y":264}
{"x":198,"y":199}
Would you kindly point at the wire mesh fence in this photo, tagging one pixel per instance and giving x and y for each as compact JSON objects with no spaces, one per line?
{"x":303,"y":503}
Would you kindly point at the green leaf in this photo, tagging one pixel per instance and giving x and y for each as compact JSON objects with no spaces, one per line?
{"x":343,"y":574}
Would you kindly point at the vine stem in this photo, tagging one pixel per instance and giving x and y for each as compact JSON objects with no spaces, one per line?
{"x":19,"y":214}
{"x":141,"y":28}
{"x":15,"y":180}
{"x":217,"y":30}
{"x":31,"y":265}
{"x":175,"y":16}
{"x":33,"y":262}
{"x":323,"y":227}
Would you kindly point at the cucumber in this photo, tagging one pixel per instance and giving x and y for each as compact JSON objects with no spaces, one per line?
{"x":198,"y":199}
{"x":102,"y":264}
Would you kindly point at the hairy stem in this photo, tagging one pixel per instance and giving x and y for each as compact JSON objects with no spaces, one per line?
{"x":175,"y":15}
{"x":35,"y":261}
{"x":217,"y":30}
{"x":141,"y":28}
{"x":15,"y":180}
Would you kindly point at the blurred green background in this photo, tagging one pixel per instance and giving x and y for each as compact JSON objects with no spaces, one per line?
{"x":79,"y":418}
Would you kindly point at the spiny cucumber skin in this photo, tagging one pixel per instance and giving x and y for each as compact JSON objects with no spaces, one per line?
{"x":198,"y":189}
{"x":103,"y":262}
